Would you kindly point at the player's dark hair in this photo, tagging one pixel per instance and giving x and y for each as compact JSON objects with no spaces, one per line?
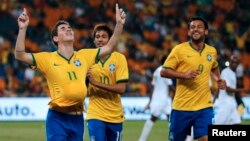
{"x":200,"y":19}
{"x":104,"y":27}
{"x":54,"y":31}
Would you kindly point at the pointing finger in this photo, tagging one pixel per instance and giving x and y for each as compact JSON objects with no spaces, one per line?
{"x":116,"y":7}
{"x":24,"y":11}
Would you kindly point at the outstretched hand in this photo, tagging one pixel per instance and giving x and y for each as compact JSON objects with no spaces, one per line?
{"x":23,"y":20}
{"x":120,"y":14}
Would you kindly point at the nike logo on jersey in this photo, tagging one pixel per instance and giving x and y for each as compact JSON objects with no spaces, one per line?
{"x":56,"y":64}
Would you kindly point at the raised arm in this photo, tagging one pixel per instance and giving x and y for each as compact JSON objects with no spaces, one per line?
{"x":120,"y":20}
{"x":20,"y":54}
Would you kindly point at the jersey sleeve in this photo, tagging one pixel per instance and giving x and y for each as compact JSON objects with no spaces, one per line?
{"x":39,"y":62}
{"x":90,"y":55}
{"x":122,"y":74}
{"x":215,"y":63}
{"x":172,"y":59}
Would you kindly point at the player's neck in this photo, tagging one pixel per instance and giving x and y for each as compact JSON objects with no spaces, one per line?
{"x":198,"y":45}
{"x":66,"y":51}
{"x":104,"y":58}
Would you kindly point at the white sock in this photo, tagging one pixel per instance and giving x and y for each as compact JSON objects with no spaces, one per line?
{"x":146,"y":130}
{"x":190,"y":137}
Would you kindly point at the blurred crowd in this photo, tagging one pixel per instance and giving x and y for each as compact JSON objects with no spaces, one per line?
{"x":152,"y":28}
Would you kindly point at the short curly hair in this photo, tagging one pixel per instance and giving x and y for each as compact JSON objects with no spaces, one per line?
{"x":104,"y":27}
{"x":200,"y":19}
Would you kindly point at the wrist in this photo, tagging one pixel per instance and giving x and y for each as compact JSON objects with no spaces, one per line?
{"x":22,"y":28}
{"x":20,"y":50}
{"x":119,"y":24}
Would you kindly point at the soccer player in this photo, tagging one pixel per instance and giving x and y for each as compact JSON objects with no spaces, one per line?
{"x":160,"y":101}
{"x":65,"y":71}
{"x":107,"y":82}
{"x":191,"y":64}
{"x":226,"y":106}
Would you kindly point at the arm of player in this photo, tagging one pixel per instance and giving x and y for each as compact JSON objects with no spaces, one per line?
{"x":116,"y":88}
{"x":216,"y":76}
{"x":170,"y":73}
{"x":20,"y":54}
{"x":237,"y":90}
{"x":120,"y":20}
{"x":172,"y":90}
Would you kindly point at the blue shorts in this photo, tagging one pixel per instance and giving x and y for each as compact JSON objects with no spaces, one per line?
{"x":104,"y":131}
{"x":62,"y":127}
{"x":182,"y":121}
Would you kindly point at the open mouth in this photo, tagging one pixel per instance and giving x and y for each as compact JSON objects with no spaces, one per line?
{"x":196,"y":34}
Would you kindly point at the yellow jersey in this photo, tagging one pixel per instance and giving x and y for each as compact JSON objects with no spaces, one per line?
{"x":65,"y":77}
{"x":105,"y":105}
{"x":195,"y":94}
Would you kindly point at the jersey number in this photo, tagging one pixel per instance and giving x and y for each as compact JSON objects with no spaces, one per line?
{"x":104,"y":80}
{"x":200,"y":68}
{"x":72,"y":75}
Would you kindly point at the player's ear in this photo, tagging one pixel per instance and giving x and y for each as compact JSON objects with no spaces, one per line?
{"x":55,"y":38}
{"x":206,"y":32}
{"x":189,"y":34}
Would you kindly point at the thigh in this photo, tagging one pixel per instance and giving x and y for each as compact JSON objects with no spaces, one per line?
{"x":180,"y":125}
{"x":64,"y":127}
{"x":97,"y":130}
{"x":203,"y":118}
{"x":75,"y":128}
{"x":156,"y":109}
{"x":55,"y":126}
{"x":114,"y":131}
{"x":222,"y":113}
{"x":168,"y":107}
{"x":235,"y":117}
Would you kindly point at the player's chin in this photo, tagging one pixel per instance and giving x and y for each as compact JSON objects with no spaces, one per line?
{"x":196,"y":38}
{"x":99,"y":45}
{"x":70,"y":39}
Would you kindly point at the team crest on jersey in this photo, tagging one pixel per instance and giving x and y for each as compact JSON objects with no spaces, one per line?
{"x":209,"y":57}
{"x":77,"y":63}
{"x":112,"y":67}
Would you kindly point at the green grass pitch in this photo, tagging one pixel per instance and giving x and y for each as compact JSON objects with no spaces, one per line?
{"x":35,"y":131}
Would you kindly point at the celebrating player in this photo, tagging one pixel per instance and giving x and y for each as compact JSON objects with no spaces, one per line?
{"x":108,"y":79}
{"x":191,"y":64}
{"x":65,"y":71}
